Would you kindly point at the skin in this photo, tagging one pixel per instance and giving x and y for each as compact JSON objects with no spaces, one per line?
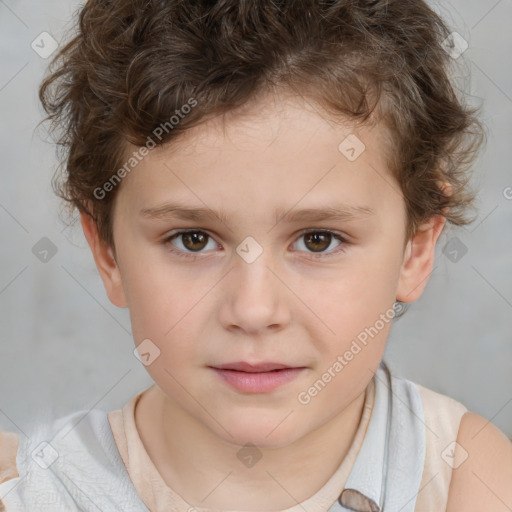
{"x":289,"y":305}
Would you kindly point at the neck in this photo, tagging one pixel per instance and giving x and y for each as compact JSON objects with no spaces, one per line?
{"x":209,"y":473}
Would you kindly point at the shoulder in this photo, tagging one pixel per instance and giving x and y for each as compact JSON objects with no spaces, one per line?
{"x":435,"y":403}
{"x":471,"y":454}
{"x":482,"y":480}
{"x":26,"y":483}
{"x":9,"y":443}
{"x":442,"y":416}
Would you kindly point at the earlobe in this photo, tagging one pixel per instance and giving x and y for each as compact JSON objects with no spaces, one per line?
{"x":419,"y":260}
{"x":105,"y":262}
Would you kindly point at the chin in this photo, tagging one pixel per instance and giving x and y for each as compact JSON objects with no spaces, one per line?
{"x":252,"y":429}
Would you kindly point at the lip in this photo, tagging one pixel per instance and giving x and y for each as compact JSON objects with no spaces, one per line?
{"x":242,"y":366}
{"x":256,"y":378}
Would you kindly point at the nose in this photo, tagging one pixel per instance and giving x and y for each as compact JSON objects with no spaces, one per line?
{"x":255,"y":299}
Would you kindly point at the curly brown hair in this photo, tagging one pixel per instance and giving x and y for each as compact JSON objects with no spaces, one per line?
{"x":135,"y":63}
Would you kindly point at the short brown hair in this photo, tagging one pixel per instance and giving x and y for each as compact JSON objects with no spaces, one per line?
{"x":133,"y":64}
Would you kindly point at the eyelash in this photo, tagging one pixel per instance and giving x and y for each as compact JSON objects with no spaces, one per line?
{"x":334,"y":252}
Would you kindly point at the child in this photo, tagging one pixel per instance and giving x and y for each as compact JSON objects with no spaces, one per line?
{"x":210,"y":147}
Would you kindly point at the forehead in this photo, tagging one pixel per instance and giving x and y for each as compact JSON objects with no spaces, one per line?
{"x":282,"y":115}
{"x":276,"y":151}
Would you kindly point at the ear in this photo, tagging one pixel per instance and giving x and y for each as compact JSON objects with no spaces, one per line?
{"x":419,"y":260}
{"x":105,"y":261}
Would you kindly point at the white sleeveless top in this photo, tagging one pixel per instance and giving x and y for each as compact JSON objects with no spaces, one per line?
{"x":400,"y":459}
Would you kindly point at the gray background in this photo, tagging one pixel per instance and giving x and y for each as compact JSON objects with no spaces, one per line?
{"x":65,"y":347}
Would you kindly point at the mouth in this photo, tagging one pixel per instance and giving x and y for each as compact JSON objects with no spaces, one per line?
{"x":256,"y":378}
{"x":242,"y":366}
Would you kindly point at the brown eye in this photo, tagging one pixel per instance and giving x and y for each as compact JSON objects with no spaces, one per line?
{"x":186,"y":243}
{"x":317,"y":241}
{"x":194,"y":241}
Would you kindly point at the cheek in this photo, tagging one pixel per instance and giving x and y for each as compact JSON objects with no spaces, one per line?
{"x":348,"y":358}
{"x":160,"y":305}
{"x":354,"y":296}
{"x":355,"y":308}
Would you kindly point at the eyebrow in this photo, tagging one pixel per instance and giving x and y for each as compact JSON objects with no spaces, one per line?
{"x":342,"y":212}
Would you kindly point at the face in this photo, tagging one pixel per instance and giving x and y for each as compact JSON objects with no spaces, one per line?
{"x":262,"y":240}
